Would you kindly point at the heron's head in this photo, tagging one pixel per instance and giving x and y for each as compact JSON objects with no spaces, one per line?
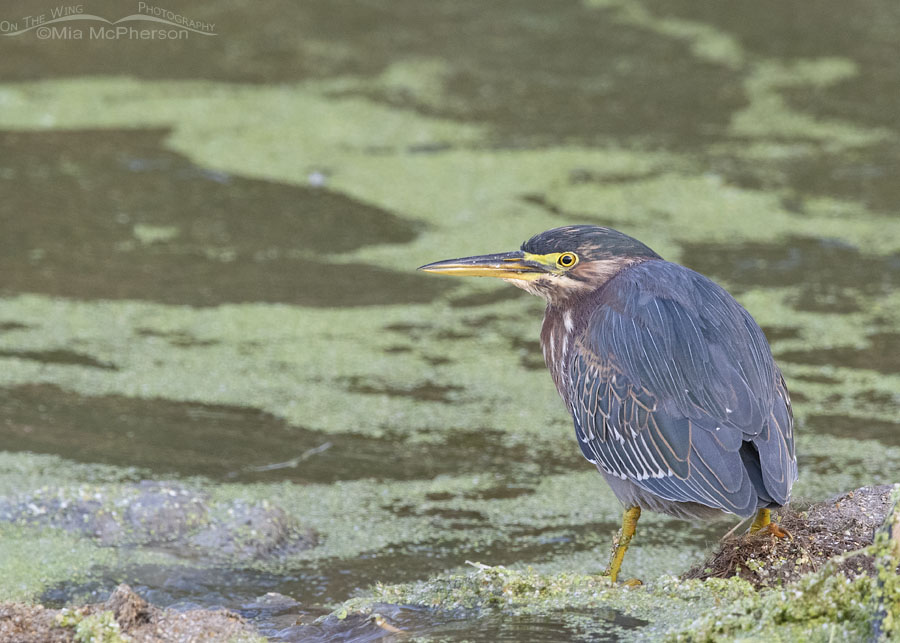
{"x":555,"y":264}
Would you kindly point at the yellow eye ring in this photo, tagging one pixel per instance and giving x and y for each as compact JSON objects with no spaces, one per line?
{"x":567,"y":259}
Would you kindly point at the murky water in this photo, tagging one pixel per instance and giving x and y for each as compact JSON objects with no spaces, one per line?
{"x":207,"y":254}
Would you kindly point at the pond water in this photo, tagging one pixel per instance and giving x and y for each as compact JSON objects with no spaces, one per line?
{"x":207,"y":274}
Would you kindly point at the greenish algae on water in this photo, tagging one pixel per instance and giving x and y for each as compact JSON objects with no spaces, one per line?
{"x":32,"y":559}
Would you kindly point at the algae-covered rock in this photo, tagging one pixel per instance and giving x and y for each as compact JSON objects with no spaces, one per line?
{"x":165,"y":514}
{"x":825,"y":605}
{"x":142,"y":513}
{"x":253,"y":530}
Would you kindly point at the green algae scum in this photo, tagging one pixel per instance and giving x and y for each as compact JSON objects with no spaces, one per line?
{"x":223,"y":383}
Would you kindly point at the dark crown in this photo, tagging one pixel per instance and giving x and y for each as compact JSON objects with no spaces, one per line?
{"x":589,"y":241}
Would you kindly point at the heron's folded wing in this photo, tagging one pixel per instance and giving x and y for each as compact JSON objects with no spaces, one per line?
{"x":627,"y":432}
{"x":668,"y":384}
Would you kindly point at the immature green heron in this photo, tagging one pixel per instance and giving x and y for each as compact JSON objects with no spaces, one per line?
{"x":674,"y":393}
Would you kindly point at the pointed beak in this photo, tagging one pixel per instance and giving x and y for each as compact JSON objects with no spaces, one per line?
{"x":506,"y":265}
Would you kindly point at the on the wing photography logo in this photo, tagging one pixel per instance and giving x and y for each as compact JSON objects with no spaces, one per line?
{"x":71,"y":22}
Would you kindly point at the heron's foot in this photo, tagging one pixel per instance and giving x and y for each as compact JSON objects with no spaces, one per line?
{"x":763,"y":523}
{"x":631,"y":582}
{"x":776,"y":530}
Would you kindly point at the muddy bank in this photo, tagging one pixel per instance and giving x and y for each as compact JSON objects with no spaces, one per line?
{"x":125,"y":616}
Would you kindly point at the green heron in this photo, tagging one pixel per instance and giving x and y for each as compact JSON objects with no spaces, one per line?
{"x":670,"y":382}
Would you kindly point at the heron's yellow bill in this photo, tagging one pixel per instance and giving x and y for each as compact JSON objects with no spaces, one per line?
{"x":505,"y":265}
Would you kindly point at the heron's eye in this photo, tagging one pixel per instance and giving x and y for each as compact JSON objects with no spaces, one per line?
{"x":567,"y":259}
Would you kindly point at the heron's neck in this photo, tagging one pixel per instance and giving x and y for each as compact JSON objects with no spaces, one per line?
{"x":560,"y":328}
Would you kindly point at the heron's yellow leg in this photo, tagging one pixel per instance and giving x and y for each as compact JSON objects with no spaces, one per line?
{"x":763,"y":522}
{"x":763,"y":519}
{"x":629,"y":522}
